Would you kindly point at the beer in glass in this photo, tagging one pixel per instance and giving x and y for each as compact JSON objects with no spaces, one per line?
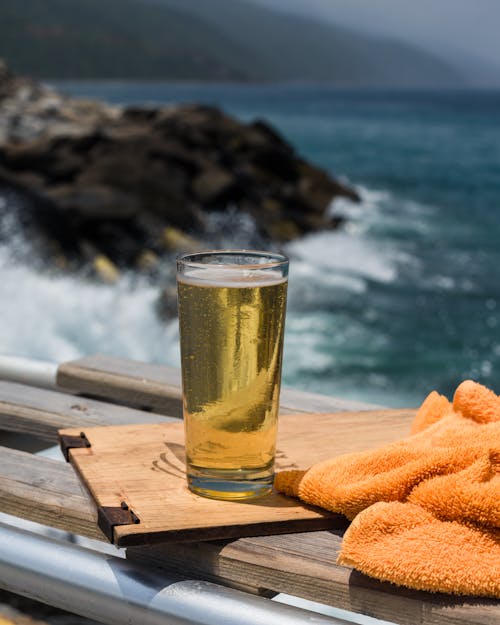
{"x":231,"y":315}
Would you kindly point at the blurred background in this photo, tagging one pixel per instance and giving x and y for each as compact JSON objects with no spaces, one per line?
{"x":361,"y":137}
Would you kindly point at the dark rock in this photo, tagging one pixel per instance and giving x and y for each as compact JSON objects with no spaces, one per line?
{"x":283,"y":230}
{"x":28,"y":180}
{"x":65,"y":166}
{"x":214,"y":185}
{"x":318,"y":188}
{"x":140,"y":113}
{"x":110,"y":182}
{"x":32,"y":156}
{"x":96,"y":201}
{"x":172,"y":151}
{"x":166,"y":304}
{"x":275,"y":160}
{"x":267,"y":134}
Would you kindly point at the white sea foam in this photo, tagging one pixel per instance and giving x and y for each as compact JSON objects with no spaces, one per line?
{"x":62,"y":317}
{"x":381,"y":209}
{"x":343,"y":254}
{"x":371,"y":199}
{"x":369,"y":246}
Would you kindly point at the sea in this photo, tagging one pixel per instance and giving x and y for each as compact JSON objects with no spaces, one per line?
{"x":402,"y":300}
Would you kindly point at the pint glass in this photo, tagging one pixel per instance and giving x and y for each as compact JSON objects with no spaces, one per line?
{"x":232,"y":315}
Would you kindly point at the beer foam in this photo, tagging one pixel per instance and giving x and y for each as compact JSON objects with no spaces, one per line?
{"x":231,"y":277}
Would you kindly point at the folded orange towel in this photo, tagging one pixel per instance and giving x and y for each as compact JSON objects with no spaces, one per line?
{"x":426,"y":509}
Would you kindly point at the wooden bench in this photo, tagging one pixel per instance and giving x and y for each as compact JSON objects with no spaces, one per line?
{"x":101,"y":390}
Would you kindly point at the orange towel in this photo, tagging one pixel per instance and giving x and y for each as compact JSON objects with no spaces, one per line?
{"x":426,"y":509}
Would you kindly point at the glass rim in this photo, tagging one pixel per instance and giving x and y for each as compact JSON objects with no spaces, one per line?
{"x":193,"y":259}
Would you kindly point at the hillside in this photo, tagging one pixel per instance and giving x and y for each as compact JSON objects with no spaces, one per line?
{"x":201,"y":40}
{"x":115,"y":39}
{"x":298,"y":48}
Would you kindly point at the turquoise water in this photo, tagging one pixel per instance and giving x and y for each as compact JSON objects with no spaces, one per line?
{"x":404,"y":299}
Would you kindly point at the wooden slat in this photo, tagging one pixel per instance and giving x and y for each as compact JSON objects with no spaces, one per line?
{"x":159,"y":387}
{"x":145,"y":385}
{"x":48,"y":492}
{"x":304,"y":565}
{"x":293,"y":401}
{"x":39,"y":412}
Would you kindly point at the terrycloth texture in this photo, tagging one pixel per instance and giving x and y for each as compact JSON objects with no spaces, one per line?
{"x":404,"y":544}
{"x":426,"y":509}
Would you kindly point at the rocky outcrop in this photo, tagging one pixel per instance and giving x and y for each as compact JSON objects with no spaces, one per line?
{"x":125,"y":182}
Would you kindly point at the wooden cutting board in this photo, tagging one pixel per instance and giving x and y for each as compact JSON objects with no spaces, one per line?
{"x":135,"y":474}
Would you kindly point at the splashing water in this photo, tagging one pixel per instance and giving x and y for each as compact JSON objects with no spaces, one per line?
{"x":403,"y":299}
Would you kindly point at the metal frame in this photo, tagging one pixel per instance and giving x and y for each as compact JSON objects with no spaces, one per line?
{"x":27,"y":371}
{"x":112,"y":590}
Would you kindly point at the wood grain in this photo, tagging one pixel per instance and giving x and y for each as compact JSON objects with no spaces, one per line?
{"x":158,"y":387}
{"x":46,"y":491}
{"x":141,"y":384}
{"x":293,"y":401}
{"x":304,"y":565}
{"x":143,"y":465}
{"x":29,"y":410}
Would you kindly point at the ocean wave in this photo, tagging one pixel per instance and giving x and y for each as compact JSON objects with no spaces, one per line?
{"x":355,"y":297}
{"x":328,"y":255}
{"x":63,"y":317}
{"x":381,"y":211}
{"x":359,"y":216}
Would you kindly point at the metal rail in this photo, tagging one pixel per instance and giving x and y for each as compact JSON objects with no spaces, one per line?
{"x":27,"y":371}
{"x":112,"y":590}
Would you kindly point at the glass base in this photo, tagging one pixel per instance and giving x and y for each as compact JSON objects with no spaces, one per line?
{"x":230,"y":485}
